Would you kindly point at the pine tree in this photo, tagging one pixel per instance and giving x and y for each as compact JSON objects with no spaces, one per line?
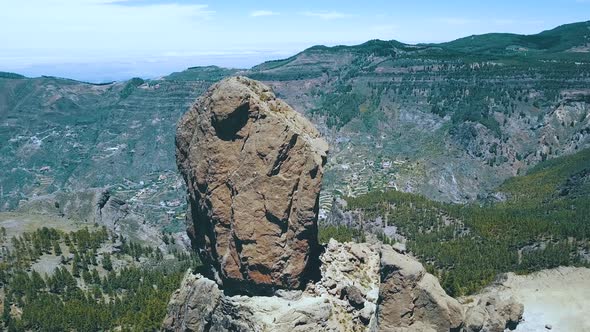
{"x":87,"y":277}
{"x":56,"y":248}
{"x":75,"y":269}
{"x":107,"y":264}
{"x":37,"y":281}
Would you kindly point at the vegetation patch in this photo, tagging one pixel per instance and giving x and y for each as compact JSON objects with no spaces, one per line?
{"x":103,"y":281}
{"x":538,"y":226}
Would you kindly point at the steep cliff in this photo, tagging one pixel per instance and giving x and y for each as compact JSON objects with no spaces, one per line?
{"x":253,"y":169}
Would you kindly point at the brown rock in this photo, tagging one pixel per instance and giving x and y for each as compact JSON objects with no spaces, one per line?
{"x":354,"y":296}
{"x":411,"y":299}
{"x":253,"y":167}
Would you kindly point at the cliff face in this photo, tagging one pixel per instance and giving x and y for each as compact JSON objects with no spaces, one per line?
{"x":253,"y":168}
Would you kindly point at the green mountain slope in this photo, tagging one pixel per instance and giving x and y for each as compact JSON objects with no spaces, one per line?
{"x":543,"y":223}
{"x":436,"y":119}
{"x":450,"y":120}
{"x":59,"y":134}
{"x":560,"y":39}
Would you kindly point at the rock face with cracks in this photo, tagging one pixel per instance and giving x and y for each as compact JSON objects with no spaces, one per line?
{"x":411,"y":299}
{"x":492,"y":314}
{"x":344,"y":299}
{"x":253,"y":168}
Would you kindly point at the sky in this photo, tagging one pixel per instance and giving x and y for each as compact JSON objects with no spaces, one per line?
{"x":103,"y":40}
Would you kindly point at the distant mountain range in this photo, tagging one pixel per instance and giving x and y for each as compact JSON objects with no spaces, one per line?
{"x":451,"y":121}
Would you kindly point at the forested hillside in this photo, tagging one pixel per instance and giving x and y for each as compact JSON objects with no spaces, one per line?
{"x":94,"y":280}
{"x":539,"y":220}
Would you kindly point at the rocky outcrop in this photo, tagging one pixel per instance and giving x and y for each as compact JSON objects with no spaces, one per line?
{"x":253,"y":167}
{"x":411,"y":299}
{"x":91,"y":205}
{"x":363,"y":287}
{"x":344,"y":299}
{"x":491,"y":314}
{"x":188,"y":309}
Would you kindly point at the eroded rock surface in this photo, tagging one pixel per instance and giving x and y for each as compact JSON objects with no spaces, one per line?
{"x":345,"y":299}
{"x":363,"y":287}
{"x":493,"y":314}
{"x":253,"y":167}
{"x":411,"y":299}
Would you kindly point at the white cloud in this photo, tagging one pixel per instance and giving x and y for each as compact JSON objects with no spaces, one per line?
{"x":326,"y":15}
{"x":258,"y":13}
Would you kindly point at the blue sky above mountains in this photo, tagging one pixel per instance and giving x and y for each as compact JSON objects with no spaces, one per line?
{"x":175,"y":33}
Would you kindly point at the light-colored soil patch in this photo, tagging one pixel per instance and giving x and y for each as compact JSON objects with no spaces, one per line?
{"x":17,"y":223}
{"x":557,"y":297}
{"x":46,"y":264}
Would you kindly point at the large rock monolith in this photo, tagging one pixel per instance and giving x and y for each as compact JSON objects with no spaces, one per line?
{"x":253,"y":168}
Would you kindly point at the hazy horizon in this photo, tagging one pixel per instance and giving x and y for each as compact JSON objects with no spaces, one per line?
{"x":83,"y":39}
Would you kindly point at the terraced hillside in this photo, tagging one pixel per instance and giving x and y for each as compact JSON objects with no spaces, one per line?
{"x":58,"y":134}
{"x":450,"y":121}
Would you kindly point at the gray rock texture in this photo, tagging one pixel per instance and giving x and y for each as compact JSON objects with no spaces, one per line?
{"x":363,"y":287}
{"x":491,"y":314}
{"x":199,"y":304}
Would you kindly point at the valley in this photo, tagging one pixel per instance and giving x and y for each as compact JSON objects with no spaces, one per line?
{"x":473,"y":156}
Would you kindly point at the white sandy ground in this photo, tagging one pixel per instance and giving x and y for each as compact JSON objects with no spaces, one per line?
{"x":558,"y":297}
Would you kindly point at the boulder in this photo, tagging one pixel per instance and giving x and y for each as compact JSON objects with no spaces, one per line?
{"x":491,"y":314}
{"x":253,"y":168}
{"x":354,"y":296}
{"x":188,"y":309}
{"x":411,"y":299}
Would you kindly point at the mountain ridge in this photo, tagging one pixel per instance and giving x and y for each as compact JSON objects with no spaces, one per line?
{"x":450,"y":127}
{"x":575,"y":29}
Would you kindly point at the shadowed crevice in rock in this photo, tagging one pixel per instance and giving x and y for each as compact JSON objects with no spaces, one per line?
{"x":227,"y":128}
{"x":283,"y":224}
{"x":283,"y":155}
